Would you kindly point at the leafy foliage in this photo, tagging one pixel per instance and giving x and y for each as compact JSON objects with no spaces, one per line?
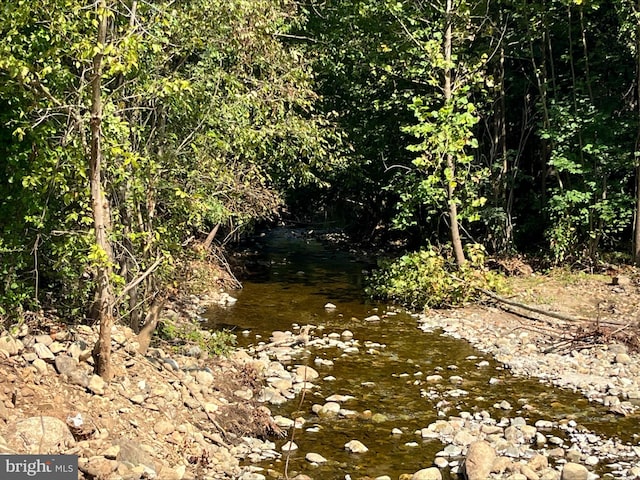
{"x":208,"y":118}
{"x":542,"y":120}
{"x":219,"y":342}
{"x":360,"y":56}
{"x":219,"y":114}
{"x":430,"y":278}
{"x":586,"y":205}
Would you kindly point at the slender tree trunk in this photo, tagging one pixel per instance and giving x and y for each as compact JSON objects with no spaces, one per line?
{"x":150,"y":323}
{"x":453,"y":218}
{"x":636,"y":230}
{"x":595,"y":220}
{"x":545,"y":146}
{"x":212,"y":234}
{"x":505,"y":170}
{"x":543,"y":80}
{"x":636,"y":233}
{"x":451,"y":164}
{"x":585,"y":51}
{"x":103,"y":309}
{"x":548,"y":55}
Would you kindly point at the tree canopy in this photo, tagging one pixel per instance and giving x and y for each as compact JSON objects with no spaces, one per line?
{"x":129,"y":130}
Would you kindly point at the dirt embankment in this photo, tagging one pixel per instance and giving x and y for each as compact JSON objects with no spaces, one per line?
{"x":585,"y":309}
{"x":174,"y":413}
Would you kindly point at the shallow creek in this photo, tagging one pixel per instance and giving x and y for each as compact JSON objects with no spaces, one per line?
{"x":293,"y":277}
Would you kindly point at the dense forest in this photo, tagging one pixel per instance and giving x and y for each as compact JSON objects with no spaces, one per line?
{"x":134,"y":135}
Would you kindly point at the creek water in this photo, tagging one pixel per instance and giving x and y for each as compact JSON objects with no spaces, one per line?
{"x":292,"y":276}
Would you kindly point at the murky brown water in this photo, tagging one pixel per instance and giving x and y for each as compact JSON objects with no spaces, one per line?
{"x":294,"y":277}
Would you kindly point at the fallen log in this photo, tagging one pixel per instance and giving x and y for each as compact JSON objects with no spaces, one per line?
{"x":559,"y":316}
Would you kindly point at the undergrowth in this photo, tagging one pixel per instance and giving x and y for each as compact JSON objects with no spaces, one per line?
{"x":219,"y":342}
{"x":430,"y":278}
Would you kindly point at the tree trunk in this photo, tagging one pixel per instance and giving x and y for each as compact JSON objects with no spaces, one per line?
{"x":103,"y":307}
{"x":543,"y":81}
{"x":504,"y":189}
{"x":456,"y":241}
{"x":636,"y":233}
{"x":127,"y":210}
{"x":212,"y":234}
{"x":502,"y":239}
{"x":636,"y":229}
{"x":150,"y":324}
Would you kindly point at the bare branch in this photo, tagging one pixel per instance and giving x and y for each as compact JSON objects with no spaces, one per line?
{"x":296,"y":37}
{"x":139,"y":279}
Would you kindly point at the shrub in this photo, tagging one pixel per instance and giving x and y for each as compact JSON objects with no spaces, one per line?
{"x":430,"y":278}
{"x":220,"y":342}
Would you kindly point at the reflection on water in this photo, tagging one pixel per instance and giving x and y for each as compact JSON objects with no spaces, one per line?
{"x":293,"y":277}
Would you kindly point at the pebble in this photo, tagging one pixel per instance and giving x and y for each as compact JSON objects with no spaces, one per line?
{"x":315,"y":458}
{"x":163,"y":427}
{"x":623,"y":358}
{"x":308,"y":374}
{"x":355,"y":446}
{"x":40,"y":365}
{"x":452,"y":451}
{"x":43,"y":352}
{"x":432,"y":473}
{"x":96,"y":385}
{"x":329,"y":409}
{"x":10,"y":345}
{"x":591,"y":461}
{"x":289,"y":447}
{"x":339,"y":398}
{"x":283,"y":422}
{"x":441,"y":462}
{"x":574,"y":471}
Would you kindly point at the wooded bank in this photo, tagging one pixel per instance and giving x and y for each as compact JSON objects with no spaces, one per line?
{"x":131,"y":131}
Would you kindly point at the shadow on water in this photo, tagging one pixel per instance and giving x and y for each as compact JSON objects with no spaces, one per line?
{"x":294,"y":276}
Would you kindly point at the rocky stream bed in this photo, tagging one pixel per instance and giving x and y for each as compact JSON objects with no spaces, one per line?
{"x":475,"y":444}
{"x":178,"y":414}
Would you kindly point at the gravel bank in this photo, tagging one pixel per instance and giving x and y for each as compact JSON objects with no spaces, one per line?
{"x":604,"y":373}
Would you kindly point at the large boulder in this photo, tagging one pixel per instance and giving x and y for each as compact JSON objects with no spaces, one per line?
{"x":10,"y":346}
{"x":479,"y":460}
{"x":39,"y":435}
{"x":431,"y":473}
{"x":133,"y":454}
{"x":574,"y":471}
